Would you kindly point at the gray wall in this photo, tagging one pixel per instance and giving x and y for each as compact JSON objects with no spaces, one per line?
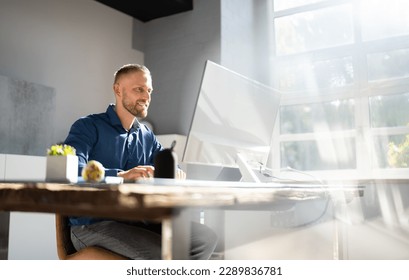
{"x":176,"y":48}
{"x":247,"y":31}
{"x":72,"y":46}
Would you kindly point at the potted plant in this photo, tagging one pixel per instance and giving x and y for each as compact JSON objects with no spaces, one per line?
{"x":62,"y":164}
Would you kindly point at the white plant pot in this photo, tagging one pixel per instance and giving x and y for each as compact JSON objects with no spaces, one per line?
{"x":62,"y":169}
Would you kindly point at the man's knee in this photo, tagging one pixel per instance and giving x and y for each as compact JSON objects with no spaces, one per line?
{"x":204,"y":241}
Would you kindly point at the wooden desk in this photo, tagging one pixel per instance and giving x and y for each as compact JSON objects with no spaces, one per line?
{"x":166,"y":201}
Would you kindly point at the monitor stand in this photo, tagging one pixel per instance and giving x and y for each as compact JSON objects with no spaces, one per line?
{"x":247,"y":173}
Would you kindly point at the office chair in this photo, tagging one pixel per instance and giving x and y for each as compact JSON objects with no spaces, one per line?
{"x":66,"y":250}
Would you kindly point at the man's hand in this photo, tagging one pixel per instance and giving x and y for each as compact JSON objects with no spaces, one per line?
{"x":138,"y":172}
{"x":144,"y":172}
{"x":180,"y":174}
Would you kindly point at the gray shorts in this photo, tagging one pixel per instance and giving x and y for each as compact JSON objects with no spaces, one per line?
{"x":138,"y":240}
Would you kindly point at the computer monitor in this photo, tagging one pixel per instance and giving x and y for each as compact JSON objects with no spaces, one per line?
{"x":233,"y":122}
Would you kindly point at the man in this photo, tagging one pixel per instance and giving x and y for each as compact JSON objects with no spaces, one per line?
{"x":127,"y":149}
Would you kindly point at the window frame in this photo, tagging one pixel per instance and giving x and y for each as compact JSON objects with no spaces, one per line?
{"x":361,"y":90}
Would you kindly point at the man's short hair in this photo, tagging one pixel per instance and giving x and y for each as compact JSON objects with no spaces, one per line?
{"x":130,"y":68}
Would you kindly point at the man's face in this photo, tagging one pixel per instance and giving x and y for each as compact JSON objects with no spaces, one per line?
{"x":135,"y":91}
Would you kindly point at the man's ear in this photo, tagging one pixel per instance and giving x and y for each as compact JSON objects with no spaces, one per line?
{"x":116,"y":89}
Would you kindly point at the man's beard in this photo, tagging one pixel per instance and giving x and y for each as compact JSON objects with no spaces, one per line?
{"x":137,"y":109}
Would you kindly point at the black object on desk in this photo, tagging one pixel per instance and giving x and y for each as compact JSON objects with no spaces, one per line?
{"x":166,"y":163}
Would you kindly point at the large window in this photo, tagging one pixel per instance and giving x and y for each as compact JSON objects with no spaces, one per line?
{"x":343,"y":68}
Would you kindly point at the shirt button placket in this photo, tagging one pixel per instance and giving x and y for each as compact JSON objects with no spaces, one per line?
{"x":130,"y":139}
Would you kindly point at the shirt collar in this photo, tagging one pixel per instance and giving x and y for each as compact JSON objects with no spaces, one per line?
{"x":114,"y":119}
{"x":136,"y":124}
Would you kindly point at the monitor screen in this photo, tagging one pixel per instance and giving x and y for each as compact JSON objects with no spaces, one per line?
{"x":233,"y":119}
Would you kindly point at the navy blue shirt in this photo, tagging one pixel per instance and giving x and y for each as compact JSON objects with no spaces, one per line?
{"x":101,"y":137}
